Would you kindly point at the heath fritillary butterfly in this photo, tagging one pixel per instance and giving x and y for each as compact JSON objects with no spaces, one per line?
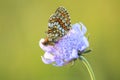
{"x":58,"y":26}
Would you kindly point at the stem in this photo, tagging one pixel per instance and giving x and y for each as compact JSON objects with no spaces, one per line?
{"x":86,"y":63}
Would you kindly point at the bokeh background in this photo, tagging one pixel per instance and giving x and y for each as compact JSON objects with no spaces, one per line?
{"x":24,"y":22}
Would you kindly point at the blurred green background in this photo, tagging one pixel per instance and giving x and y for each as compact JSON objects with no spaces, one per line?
{"x":24,"y":22}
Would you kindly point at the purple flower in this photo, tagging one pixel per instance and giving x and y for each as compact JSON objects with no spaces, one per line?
{"x":66,"y":49}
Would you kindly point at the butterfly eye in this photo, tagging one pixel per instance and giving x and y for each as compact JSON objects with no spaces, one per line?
{"x":58,"y":25}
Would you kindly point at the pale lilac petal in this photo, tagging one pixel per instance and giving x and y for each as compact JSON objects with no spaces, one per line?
{"x":49,"y":56}
{"x":77,"y":29}
{"x":45,"y":48}
{"x":84,"y":29}
{"x":59,"y":62}
{"x":46,"y":61}
{"x":86,"y":42}
{"x":74,"y":54}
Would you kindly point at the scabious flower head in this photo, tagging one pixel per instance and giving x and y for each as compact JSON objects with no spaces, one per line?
{"x":66,"y":49}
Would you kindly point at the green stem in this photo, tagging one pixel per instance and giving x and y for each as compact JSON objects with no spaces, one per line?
{"x":86,"y":63}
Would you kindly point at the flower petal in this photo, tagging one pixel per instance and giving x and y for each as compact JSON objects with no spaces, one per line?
{"x":49,"y":56}
{"x":74,"y":54}
{"x":45,"y":48}
{"x":84,"y":44}
{"x":46,"y":61}
{"x":59,"y":62}
{"x":84,"y":29}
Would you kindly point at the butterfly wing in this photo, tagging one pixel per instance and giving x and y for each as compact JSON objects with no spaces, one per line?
{"x":58,"y":25}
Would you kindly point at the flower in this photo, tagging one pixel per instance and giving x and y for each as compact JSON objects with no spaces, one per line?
{"x":66,"y":49}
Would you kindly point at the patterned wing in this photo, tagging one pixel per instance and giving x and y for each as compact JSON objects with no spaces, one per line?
{"x":58,"y":25}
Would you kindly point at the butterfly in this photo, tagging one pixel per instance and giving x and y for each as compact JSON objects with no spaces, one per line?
{"x":58,"y":26}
